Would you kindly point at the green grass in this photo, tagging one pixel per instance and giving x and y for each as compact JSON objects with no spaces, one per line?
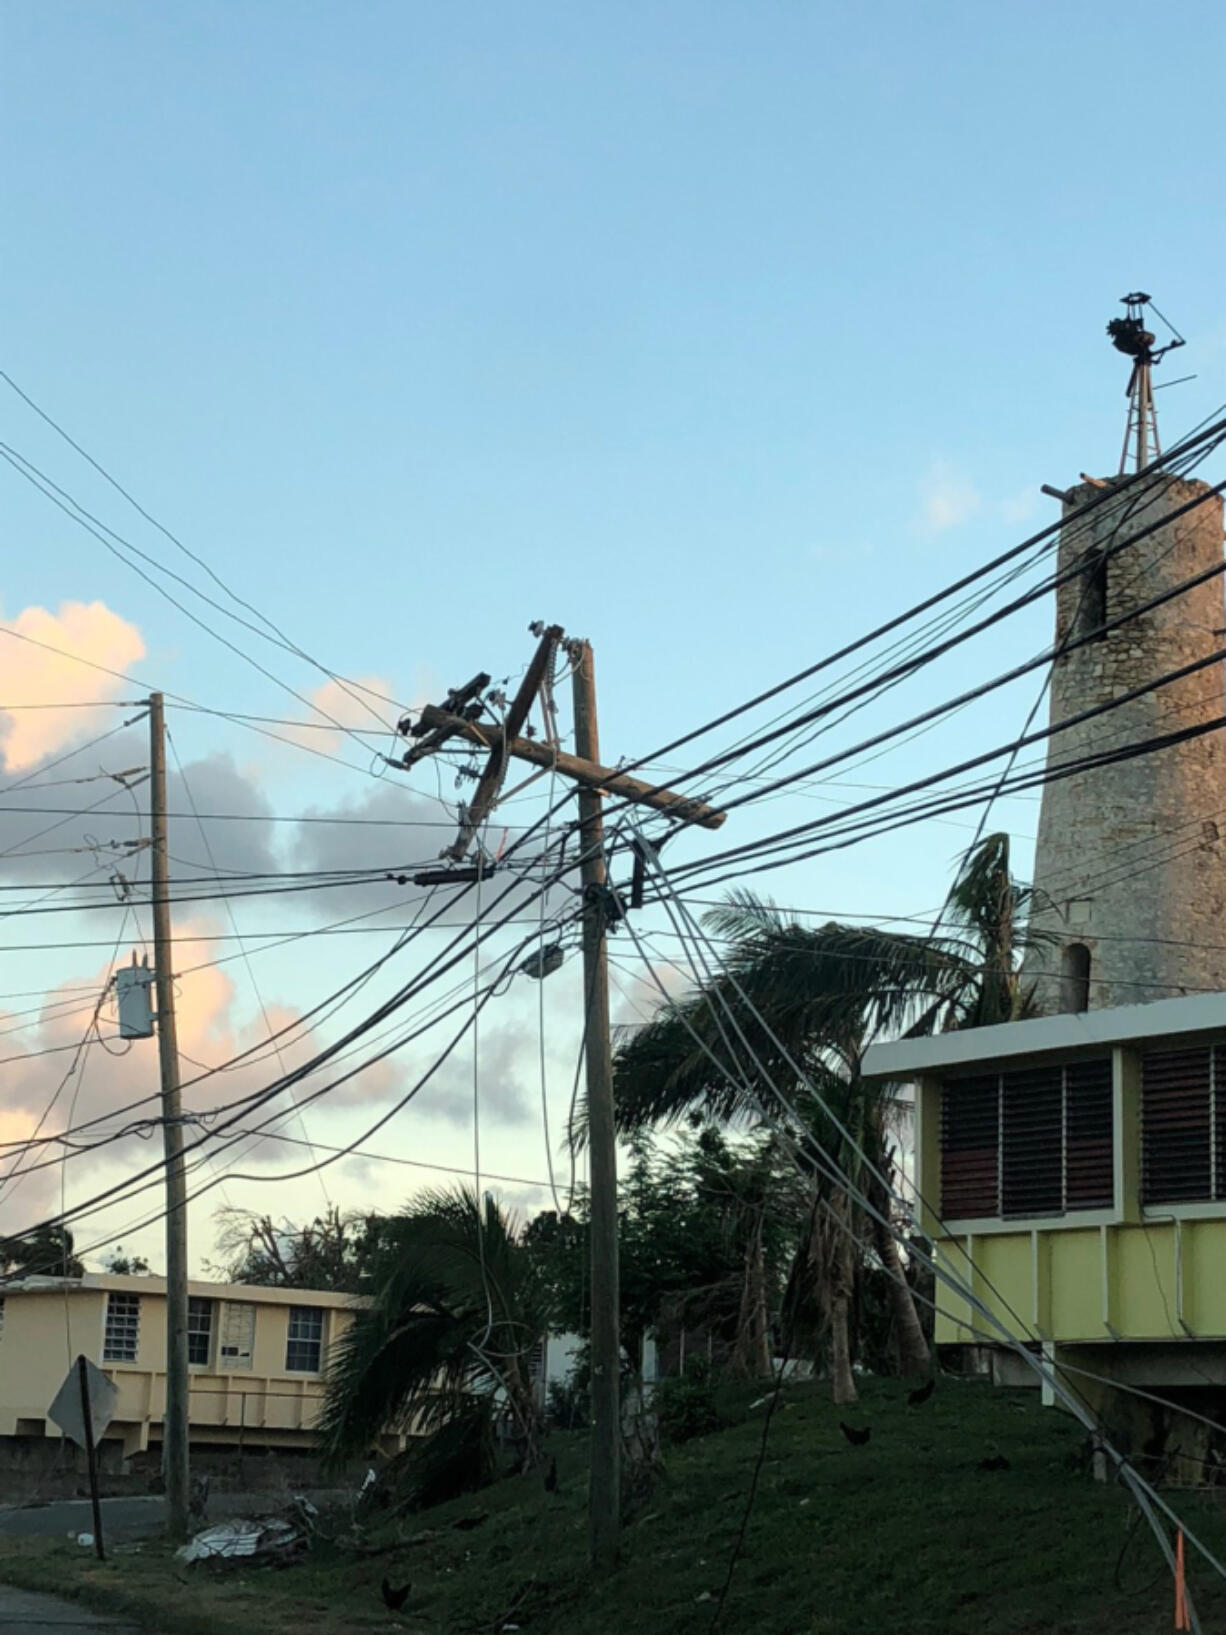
{"x":905,"y":1535}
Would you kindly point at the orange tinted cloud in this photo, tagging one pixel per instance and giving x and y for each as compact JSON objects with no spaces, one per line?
{"x":32,"y":675}
{"x":359,"y":704}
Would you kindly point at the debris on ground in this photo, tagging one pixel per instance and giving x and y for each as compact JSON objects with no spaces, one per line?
{"x":262,"y":1540}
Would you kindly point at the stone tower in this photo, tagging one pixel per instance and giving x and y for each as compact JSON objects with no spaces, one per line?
{"x":1130,"y":867}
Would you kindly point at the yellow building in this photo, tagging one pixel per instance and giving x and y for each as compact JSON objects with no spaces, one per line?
{"x":258,"y":1356}
{"x":1072,"y":1171}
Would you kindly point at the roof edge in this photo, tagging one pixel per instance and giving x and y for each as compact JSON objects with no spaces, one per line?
{"x":1043,"y":1035}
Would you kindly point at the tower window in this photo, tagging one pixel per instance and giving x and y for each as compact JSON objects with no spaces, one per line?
{"x":1091,"y":611}
{"x":1075,"y":977}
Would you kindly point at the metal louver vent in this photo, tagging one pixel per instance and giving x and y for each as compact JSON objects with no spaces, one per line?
{"x":1176,"y":1125}
{"x":1088,"y":1145}
{"x":1032,"y":1120}
{"x":970,"y":1135}
{"x":1032,"y":1142}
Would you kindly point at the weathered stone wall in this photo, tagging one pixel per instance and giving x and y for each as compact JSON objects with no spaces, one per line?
{"x":1130,"y":861}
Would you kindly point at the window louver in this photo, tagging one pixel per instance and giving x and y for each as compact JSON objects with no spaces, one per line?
{"x":970,"y":1135}
{"x":1032,"y":1118}
{"x":1032,"y":1142}
{"x":1088,"y":1141}
{"x":1177,"y":1118}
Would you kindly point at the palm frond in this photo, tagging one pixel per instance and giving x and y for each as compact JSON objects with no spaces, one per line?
{"x":454,"y":1291}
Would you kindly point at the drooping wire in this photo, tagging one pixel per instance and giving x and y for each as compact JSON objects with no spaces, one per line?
{"x":251,"y":976}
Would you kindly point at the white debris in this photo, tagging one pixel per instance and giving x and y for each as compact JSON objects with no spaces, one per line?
{"x":262,"y":1538}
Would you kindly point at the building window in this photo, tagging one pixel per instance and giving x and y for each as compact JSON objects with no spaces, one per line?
{"x":304,"y":1348}
{"x":1091,"y":608}
{"x":199,"y":1332}
{"x":237,"y":1334}
{"x":1183,"y":1125}
{"x":1075,"y":977}
{"x":1030,"y":1142}
{"x":122,"y":1335}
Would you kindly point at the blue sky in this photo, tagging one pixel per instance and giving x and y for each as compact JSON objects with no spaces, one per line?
{"x":714,"y":332}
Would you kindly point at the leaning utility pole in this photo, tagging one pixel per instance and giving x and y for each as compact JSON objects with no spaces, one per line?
{"x":175,"y":1422}
{"x":461,"y":716}
{"x":604,"y":1501}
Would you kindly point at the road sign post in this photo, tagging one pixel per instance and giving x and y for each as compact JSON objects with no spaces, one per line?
{"x":82,"y":1409}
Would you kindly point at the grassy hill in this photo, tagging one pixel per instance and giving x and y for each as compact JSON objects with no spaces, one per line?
{"x":905,"y":1534}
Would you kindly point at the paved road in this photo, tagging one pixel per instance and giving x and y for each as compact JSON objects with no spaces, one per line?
{"x":121,"y":1519}
{"x":23,"y":1613}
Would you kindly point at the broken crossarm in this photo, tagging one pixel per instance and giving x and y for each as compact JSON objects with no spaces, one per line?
{"x":604,"y":778}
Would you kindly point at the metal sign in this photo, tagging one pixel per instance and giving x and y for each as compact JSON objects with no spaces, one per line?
{"x":66,"y":1411}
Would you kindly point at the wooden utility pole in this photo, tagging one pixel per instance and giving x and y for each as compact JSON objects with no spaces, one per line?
{"x":461,"y":716}
{"x":487,"y":789}
{"x":604,"y":1496}
{"x":175,"y":1424}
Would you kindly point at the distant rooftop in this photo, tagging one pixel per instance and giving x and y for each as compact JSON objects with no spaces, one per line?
{"x":1047,"y":1035}
{"x":255,"y":1293}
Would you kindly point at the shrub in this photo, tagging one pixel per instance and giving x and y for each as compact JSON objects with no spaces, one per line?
{"x":568,"y":1406}
{"x":686,"y":1406}
{"x":457,"y":1458}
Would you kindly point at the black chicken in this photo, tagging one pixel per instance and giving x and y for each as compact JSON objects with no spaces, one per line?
{"x":551,"y":1477}
{"x":921,"y":1393}
{"x":856,"y":1437}
{"x":393,"y":1600}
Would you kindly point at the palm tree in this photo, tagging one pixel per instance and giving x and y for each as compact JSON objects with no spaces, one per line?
{"x":755,"y":1195}
{"x":990,"y":908}
{"x":457,"y":1307}
{"x":791,"y":1012}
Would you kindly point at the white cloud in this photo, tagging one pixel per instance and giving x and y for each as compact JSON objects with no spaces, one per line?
{"x":947,"y":498}
{"x":1021,"y":506}
{"x":31,"y":675}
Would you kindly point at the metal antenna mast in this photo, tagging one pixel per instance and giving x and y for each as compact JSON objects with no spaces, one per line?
{"x":1130,"y":336}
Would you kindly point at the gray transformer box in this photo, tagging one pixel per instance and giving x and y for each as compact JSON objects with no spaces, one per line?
{"x":134,"y":991}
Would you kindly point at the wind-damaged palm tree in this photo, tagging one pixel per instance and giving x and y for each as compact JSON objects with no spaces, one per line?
{"x":457,"y":1306}
{"x":757,"y":1198}
{"x":778,"y":1036}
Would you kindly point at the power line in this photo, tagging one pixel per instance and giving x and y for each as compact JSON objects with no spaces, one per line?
{"x":821,"y":1161}
{"x":346,"y":682}
{"x":1044,"y":658}
{"x":395,"y":1158}
{"x":1205,"y":440}
{"x":251,"y":976}
{"x":99,"y":530}
{"x":262,"y":817}
{"x":439,"y":966}
{"x":179,"y":699}
{"x":837,"y":823}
